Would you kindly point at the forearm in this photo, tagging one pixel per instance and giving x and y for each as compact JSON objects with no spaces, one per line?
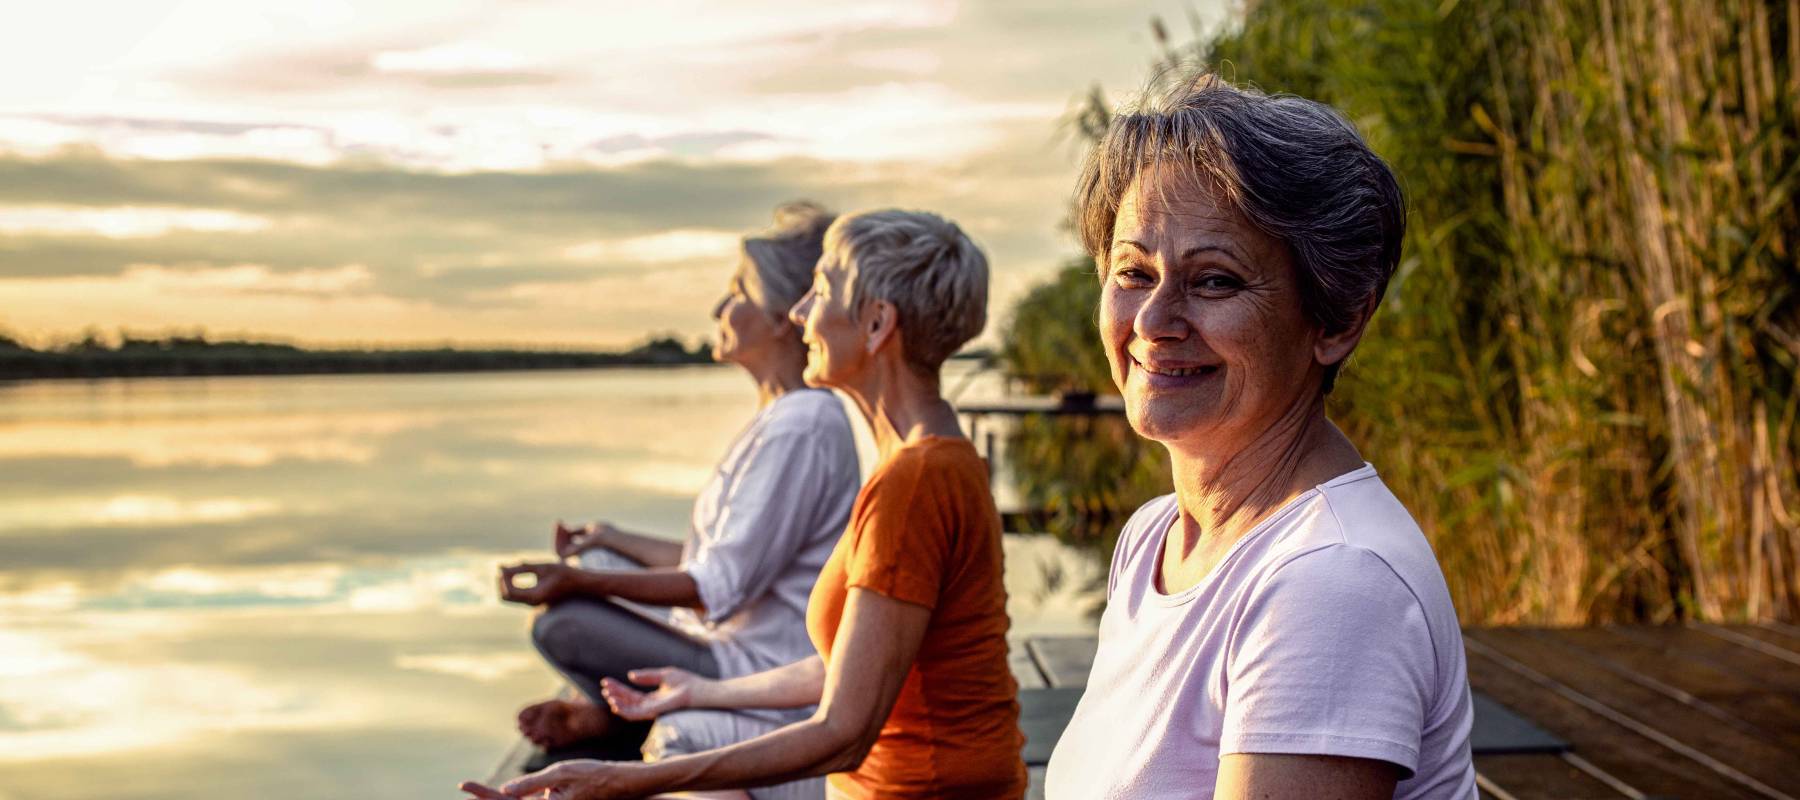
{"x":662,"y":586}
{"x":795,"y":685}
{"x":806,"y":749}
{"x":647,"y":550}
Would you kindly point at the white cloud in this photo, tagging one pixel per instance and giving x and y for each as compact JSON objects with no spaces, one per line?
{"x":682,"y":244}
{"x":298,"y":581}
{"x":70,"y":703}
{"x":124,"y":222}
{"x":130,"y":511}
{"x":250,"y":278}
{"x":482,"y":667}
{"x":453,"y":59}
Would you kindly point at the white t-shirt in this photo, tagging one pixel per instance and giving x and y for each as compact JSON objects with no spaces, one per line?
{"x":1326,"y":630}
{"x":764,"y":526}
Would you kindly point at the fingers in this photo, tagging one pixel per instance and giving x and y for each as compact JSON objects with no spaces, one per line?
{"x":481,"y":791}
{"x":624,"y":700}
{"x":545,"y":779}
{"x":648,"y":677}
{"x":530,"y":595}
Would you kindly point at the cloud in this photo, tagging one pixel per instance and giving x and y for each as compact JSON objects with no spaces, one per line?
{"x":483,"y":667}
{"x":674,"y":246}
{"x":371,"y":252}
{"x":249,"y":279}
{"x":454,"y":58}
{"x":123,"y":222}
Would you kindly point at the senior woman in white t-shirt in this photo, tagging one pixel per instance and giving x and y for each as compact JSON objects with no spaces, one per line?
{"x":1278,"y":627}
{"x":731,"y":599}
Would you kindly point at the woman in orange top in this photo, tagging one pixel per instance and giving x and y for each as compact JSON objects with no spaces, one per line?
{"x":915,"y":698}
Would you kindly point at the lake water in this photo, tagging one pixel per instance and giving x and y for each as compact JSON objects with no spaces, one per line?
{"x":282,"y":587}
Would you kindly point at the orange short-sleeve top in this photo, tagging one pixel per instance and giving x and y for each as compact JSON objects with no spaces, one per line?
{"x":924,"y":531}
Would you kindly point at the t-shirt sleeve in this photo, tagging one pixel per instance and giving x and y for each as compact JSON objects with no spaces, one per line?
{"x":901,"y":540}
{"x":1332,"y":656}
{"x":771,"y":509}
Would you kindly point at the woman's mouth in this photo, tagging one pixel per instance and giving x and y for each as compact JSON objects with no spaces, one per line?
{"x":1173,"y":375}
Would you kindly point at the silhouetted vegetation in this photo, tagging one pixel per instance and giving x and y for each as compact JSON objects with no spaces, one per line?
{"x":1584,"y":379}
{"x":93,"y":357}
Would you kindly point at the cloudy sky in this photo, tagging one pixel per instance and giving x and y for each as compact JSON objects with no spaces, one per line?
{"x":519,"y":171}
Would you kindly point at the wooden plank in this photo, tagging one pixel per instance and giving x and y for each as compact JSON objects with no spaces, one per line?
{"x":1024,"y":669}
{"x":1778,"y":633}
{"x":1043,"y":716}
{"x":1649,"y":766}
{"x":1064,"y":660}
{"x":512,"y":764}
{"x":1542,"y":776}
{"x":1773,"y":645}
{"x":1499,"y":730}
{"x":1754,"y":707}
{"x":1034,"y":783}
{"x":1736,"y":755}
{"x":1746,"y":663}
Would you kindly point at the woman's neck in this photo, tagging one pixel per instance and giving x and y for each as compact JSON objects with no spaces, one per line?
{"x":782,"y":374}
{"x":903,"y":406}
{"x":1225,"y":492}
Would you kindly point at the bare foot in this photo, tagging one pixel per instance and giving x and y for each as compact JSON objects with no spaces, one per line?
{"x":554,"y":723}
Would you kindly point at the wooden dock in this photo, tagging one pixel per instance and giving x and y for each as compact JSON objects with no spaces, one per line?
{"x":1700,"y":711}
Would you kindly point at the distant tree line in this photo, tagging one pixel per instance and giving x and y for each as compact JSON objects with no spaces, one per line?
{"x":172,"y":356}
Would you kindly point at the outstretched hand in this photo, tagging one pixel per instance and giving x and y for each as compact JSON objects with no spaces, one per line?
{"x":550,"y":582}
{"x":674,"y":691}
{"x":580,"y":779}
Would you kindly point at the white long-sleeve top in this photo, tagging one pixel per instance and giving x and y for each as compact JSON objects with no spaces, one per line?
{"x":764,"y":525}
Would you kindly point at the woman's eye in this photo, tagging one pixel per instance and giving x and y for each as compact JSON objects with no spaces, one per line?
{"x":1216,"y":283}
{"x":1131,"y":277}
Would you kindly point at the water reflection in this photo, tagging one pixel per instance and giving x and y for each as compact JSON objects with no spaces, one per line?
{"x":243,"y":584}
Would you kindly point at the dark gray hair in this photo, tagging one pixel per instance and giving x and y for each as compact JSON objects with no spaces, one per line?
{"x":1295,"y":168}
{"x":927,"y":267}
{"x":782,"y":258}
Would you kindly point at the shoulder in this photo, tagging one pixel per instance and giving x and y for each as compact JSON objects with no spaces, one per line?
{"x":1360,"y":513}
{"x":936,"y":458}
{"x":808,"y":413}
{"x":1144,"y":527}
{"x":940,"y":479}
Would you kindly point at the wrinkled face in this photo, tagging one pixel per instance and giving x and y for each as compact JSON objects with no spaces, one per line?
{"x":746,"y":331}
{"x":836,"y":342}
{"x":1201,"y":318}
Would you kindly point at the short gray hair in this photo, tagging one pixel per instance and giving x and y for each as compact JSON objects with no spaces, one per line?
{"x":1295,"y":168}
{"x":782,"y":258}
{"x":926,"y":266}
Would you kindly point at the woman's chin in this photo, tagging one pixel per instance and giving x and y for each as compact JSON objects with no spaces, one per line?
{"x":1161,"y":424}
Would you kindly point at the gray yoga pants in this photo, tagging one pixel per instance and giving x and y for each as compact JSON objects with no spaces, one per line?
{"x":587,"y":640}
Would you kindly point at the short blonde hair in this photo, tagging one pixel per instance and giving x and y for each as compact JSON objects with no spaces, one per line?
{"x":926,"y":266}
{"x":782,"y":258}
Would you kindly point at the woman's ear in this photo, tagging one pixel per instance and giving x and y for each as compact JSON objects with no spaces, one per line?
{"x":1333,"y":348}
{"x":881,"y":324}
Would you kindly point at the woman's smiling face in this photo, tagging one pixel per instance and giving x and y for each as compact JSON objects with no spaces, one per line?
{"x":836,"y":349}
{"x":1200,"y":314}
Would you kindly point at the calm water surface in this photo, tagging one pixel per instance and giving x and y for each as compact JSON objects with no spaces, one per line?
{"x":282,"y":587}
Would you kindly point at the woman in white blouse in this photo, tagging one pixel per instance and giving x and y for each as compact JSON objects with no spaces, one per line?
{"x":731,"y":599}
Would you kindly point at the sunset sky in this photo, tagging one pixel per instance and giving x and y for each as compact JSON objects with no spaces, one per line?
{"x":533,"y":171}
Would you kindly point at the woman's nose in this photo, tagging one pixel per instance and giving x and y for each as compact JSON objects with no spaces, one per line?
{"x":1162,"y":316}
{"x":802,"y":307}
